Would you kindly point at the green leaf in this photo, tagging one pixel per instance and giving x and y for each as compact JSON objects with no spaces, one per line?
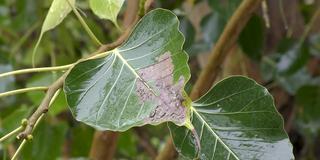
{"x":236,"y":119}
{"x":59,"y":9}
{"x":212,"y":26}
{"x":81,"y":140}
{"x":188,"y":31}
{"x":252,"y":37}
{"x":224,"y":7}
{"x":293,"y":59}
{"x":47,"y":142}
{"x":308,"y":115}
{"x":13,"y":120}
{"x":139,"y":83}
{"x":106,"y":9}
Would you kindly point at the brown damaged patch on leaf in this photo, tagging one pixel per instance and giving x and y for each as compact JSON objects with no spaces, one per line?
{"x":168,"y":96}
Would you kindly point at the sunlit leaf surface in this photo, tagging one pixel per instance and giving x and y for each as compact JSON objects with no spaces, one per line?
{"x":236,"y":119}
{"x":106,"y":9}
{"x":141,"y":82}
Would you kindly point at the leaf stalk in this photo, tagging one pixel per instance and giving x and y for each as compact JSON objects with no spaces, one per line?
{"x":24,"y":90}
{"x":84,"y":24}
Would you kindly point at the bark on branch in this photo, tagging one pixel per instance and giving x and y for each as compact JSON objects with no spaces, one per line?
{"x":227,"y":39}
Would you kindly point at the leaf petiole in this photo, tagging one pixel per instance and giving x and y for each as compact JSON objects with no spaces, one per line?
{"x":31,"y":70}
{"x":24,"y":90}
{"x":84,"y":24}
{"x":12,"y":133}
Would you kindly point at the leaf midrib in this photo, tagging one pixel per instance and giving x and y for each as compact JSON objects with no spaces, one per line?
{"x":214,"y":134}
{"x":117,"y":53}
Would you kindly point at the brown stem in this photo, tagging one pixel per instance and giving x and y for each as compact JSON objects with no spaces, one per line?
{"x":144,"y":141}
{"x":104,"y":145}
{"x":226,"y":41}
{"x":43,"y":108}
{"x":168,"y":152}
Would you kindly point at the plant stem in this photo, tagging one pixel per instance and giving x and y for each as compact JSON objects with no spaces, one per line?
{"x":12,"y":133}
{"x":43,"y":108}
{"x":310,"y":25}
{"x":24,"y":90}
{"x":225,"y":42}
{"x":23,"y":39}
{"x":84,"y":24}
{"x":31,"y":70}
{"x":15,"y":156}
{"x":35,"y":126}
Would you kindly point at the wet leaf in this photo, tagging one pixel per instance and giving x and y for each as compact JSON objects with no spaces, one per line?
{"x":106,"y":9}
{"x":236,"y":119}
{"x":139,"y":83}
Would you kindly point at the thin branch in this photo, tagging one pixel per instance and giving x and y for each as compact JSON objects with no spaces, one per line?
{"x":12,"y":133}
{"x":29,"y":137}
{"x":310,"y":25}
{"x":227,"y":39}
{"x":43,"y":108}
{"x":15,"y":156}
{"x":32,"y":70}
{"x":144,"y":140}
{"x":24,"y":90}
{"x":84,"y":24}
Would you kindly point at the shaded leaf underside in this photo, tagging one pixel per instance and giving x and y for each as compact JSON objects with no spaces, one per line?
{"x":236,"y":119}
{"x":139,"y":83}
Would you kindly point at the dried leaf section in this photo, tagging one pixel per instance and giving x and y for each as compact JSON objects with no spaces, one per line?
{"x":139,"y":83}
{"x":235,"y":120}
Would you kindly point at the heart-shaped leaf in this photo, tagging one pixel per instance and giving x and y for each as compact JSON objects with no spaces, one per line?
{"x":106,"y":9}
{"x":236,"y":119}
{"x":141,"y":82}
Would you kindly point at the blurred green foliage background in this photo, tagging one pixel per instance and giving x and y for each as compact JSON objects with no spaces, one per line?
{"x":284,"y":57}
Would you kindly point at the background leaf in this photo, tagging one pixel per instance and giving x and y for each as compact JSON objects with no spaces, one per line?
{"x":47,"y":142}
{"x":139,"y":83}
{"x":106,"y":9}
{"x":308,"y":98}
{"x":236,"y":119}
{"x":59,"y":9}
{"x":251,"y":38}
